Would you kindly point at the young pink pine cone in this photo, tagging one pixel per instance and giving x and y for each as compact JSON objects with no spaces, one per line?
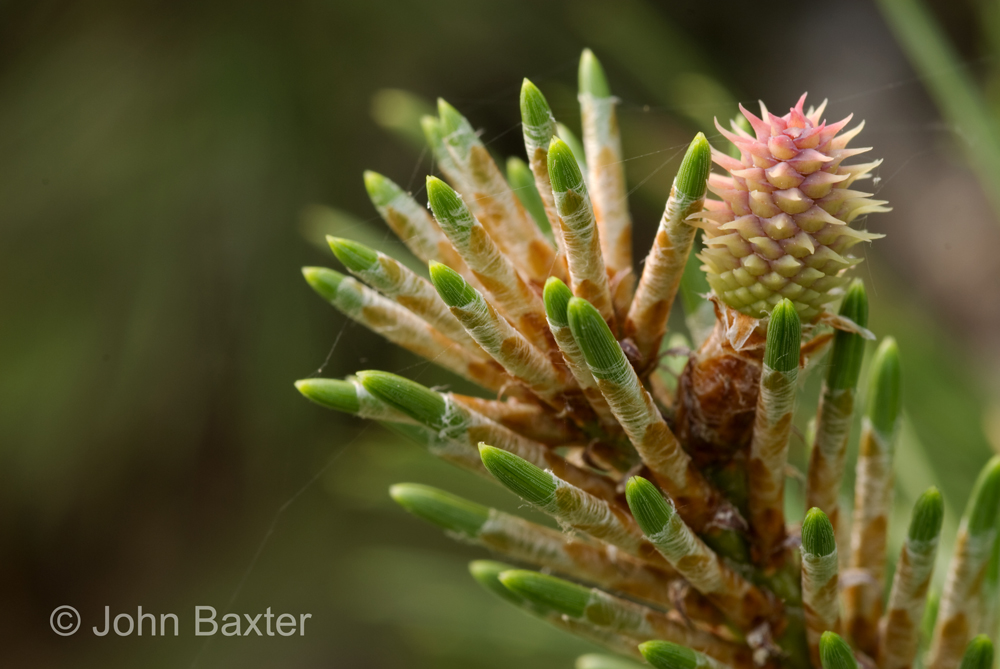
{"x":782,"y":228}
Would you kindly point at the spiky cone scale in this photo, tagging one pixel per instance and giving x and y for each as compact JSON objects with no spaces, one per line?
{"x":527,"y":418}
{"x":873,"y":498}
{"x":836,"y":410}
{"x":412,"y":223}
{"x":538,"y":127}
{"x":635,"y":410}
{"x":508,"y":347}
{"x":741,"y":601}
{"x":835,"y":653}
{"x":959,"y":607}
{"x":524,"y":541}
{"x":782,"y":226}
{"x":587,"y":272}
{"x":664,"y":266}
{"x":603,"y":148}
{"x":771,"y":431}
{"x":601,"y":609}
{"x":556,"y":297}
{"x":496,"y":205}
{"x":899,"y":628}
{"x":667,"y":655}
{"x":568,"y":504}
{"x":487,"y":574}
{"x":461,"y":430}
{"x":493,"y":269}
{"x":820,"y":597}
{"x":397,"y":282}
{"x":397,"y":324}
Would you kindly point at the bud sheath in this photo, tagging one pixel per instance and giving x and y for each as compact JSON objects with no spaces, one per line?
{"x":771,"y":430}
{"x":641,"y":420}
{"x":600,"y":609}
{"x":497,"y":337}
{"x":496,"y":206}
{"x":900,"y":626}
{"x":664,"y":266}
{"x":836,"y":409}
{"x":527,"y":542}
{"x":742,"y":602}
{"x":603,"y":148}
{"x":401,"y":327}
{"x":873,"y":498}
{"x":579,"y":230}
{"x":493,"y":269}
{"x":412,"y":223}
{"x":820,"y":596}
{"x":958,"y":611}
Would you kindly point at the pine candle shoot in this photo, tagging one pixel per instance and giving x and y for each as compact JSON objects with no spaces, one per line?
{"x":674,"y":547}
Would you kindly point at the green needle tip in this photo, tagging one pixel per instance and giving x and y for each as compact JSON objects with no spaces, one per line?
{"x":984,"y":502}
{"x":575,"y":145}
{"x":556,"y":297}
{"x":382,"y":190}
{"x":978,"y":654}
{"x":884,"y":387}
{"x":564,"y":171}
{"x":535,"y":110}
{"x":855,"y":303}
{"x":649,"y":507}
{"x":817,"y":534}
{"x":451,"y":119}
{"x":487,"y":574}
{"x":928,"y":514}
{"x":522,"y":182}
{"x":834,"y":652}
{"x":333,"y":394}
{"x":692,"y":177}
{"x":524,"y":479}
{"x":324,"y":281}
{"x":446,"y":204}
{"x":784,"y":336}
{"x":547,"y":592}
{"x":592,"y":78}
{"x":431,"y":125}
{"x":450,"y":285}
{"x":355,"y":257}
{"x":849,"y":348}
{"x":667,"y":655}
{"x":418,"y":402}
{"x":447,"y":511}
{"x":600,"y":348}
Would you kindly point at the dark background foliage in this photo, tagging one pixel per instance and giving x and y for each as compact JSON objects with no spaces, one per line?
{"x":155,"y":161}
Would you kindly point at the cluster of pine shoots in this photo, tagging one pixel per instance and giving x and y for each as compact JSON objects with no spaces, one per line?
{"x":668,"y":485}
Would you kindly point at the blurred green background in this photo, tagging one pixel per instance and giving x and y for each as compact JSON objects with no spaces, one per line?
{"x":159,"y":167}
